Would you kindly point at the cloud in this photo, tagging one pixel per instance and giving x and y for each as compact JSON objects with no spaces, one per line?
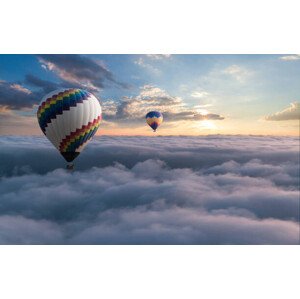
{"x":151,"y":62}
{"x":237,"y":72}
{"x":80,"y":70}
{"x":158,"y":56}
{"x":290,"y":113}
{"x":17,"y":115}
{"x":290,"y":57}
{"x":153,"y":98}
{"x":16,"y":96}
{"x":143,"y":63}
{"x":46,"y":85}
{"x":200,"y":94}
{"x":20,"y":88}
{"x":13,"y":122}
{"x":73,"y":71}
{"x":208,"y":116}
{"x":165,"y":190}
{"x":21,"y":230}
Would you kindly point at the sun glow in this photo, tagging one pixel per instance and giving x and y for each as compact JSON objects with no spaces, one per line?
{"x":202,"y":111}
{"x":207,"y":124}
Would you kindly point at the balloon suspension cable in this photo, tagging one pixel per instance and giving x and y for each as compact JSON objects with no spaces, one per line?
{"x":70,"y":167}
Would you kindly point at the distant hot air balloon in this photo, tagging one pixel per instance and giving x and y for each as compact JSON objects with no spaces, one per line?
{"x":69,"y":118}
{"x":154,"y":119}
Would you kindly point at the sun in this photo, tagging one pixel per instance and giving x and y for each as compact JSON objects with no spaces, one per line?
{"x":207,"y":124}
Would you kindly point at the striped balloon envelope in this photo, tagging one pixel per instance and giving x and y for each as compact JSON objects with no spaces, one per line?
{"x":69,"y":118}
{"x":154,"y":119}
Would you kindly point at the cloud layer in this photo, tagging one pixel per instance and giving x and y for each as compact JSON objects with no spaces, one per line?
{"x":147,"y":190}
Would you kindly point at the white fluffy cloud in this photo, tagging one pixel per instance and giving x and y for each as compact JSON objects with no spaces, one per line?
{"x":180,"y":190}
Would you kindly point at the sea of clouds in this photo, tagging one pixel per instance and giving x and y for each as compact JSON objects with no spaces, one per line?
{"x":151,"y":190}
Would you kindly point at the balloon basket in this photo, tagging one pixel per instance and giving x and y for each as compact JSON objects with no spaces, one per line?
{"x":70,"y":167}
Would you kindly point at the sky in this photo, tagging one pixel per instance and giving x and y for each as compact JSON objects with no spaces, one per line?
{"x":197,"y":94}
{"x":146,"y":190}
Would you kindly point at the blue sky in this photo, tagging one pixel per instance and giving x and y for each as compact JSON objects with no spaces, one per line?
{"x":242,"y":89}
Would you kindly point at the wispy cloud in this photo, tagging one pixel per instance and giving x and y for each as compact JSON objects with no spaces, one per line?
{"x":200,"y":94}
{"x":237,"y":72}
{"x":20,"y":88}
{"x":149,"y":61}
{"x":143,"y":63}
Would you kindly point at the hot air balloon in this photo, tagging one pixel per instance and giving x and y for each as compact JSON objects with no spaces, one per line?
{"x":154,"y":119}
{"x":69,"y":118}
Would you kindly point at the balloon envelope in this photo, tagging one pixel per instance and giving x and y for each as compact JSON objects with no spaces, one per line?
{"x":69,"y":118}
{"x":154,"y":119}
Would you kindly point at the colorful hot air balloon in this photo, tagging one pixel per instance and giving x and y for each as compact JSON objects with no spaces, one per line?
{"x":154,"y":119}
{"x":69,"y":118}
